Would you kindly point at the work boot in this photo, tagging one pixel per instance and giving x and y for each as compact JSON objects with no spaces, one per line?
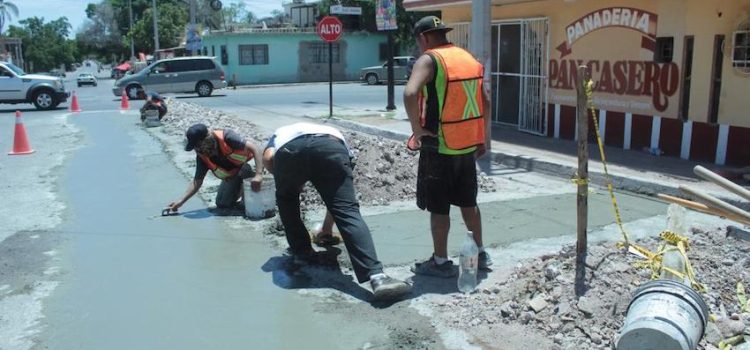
{"x":388,"y":288}
{"x":432,"y":268}
{"x":484,"y":261}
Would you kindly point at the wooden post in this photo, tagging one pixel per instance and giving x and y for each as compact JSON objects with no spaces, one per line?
{"x":583,"y":175}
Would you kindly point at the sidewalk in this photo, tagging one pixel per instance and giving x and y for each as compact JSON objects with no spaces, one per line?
{"x":631,"y":170}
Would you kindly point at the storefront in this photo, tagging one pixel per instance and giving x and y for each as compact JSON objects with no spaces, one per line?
{"x":672,"y":76}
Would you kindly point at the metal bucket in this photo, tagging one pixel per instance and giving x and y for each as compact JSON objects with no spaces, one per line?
{"x":664,"y":315}
{"x":151,"y":118}
{"x":262,"y":204}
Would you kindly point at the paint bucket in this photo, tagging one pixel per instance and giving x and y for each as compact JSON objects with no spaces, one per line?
{"x":664,"y":315}
{"x":262,"y":204}
{"x":151,"y":118}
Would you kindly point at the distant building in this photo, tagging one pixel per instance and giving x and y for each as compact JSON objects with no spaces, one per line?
{"x":671,"y":75}
{"x":288,"y":55}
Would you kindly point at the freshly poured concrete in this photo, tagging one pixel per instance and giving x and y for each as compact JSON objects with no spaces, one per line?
{"x":135,"y":281}
{"x":404,"y":236}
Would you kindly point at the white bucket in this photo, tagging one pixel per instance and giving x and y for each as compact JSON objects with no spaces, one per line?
{"x":152,"y":118}
{"x":262,"y":204}
{"x":664,"y":315}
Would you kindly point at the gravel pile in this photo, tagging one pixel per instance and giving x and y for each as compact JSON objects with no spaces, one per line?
{"x":385,"y":170}
{"x":540,"y":294}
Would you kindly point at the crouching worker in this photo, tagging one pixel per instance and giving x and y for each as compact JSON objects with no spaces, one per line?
{"x":226,"y":154}
{"x":155,"y":102}
{"x":304,"y":152}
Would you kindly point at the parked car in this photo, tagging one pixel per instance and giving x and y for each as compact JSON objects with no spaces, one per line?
{"x":197,"y":74}
{"x":375,"y":74}
{"x":86,"y":79}
{"x":44,"y":91}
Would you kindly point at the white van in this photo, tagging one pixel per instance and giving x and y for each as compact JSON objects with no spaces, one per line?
{"x":197,"y":74}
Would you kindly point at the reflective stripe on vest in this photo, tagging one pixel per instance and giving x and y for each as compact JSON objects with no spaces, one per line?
{"x":236,"y":157}
{"x":460,"y":97}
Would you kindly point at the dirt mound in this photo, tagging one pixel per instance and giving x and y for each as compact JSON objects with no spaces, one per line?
{"x":385,"y":170}
{"x":540,"y":293}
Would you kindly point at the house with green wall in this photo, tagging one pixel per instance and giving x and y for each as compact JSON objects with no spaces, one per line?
{"x":291,"y":55}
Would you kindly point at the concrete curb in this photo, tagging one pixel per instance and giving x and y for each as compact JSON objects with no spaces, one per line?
{"x":259,"y":86}
{"x":531,"y":164}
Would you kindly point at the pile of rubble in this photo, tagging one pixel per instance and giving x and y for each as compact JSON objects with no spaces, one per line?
{"x":385,"y":170}
{"x":540,"y":294}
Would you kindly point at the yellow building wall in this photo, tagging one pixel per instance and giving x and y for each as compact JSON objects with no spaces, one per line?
{"x":676,"y":18}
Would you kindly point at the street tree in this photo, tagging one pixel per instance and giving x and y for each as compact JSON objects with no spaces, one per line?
{"x":7,"y":11}
{"x":100,"y":36}
{"x":172,"y":19}
{"x":45,"y":45}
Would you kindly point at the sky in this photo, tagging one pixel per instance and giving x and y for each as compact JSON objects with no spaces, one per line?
{"x":75,"y":10}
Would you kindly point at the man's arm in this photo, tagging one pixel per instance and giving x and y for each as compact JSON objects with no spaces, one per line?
{"x":192,"y":189}
{"x":268,"y":158}
{"x":421,"y":74}
{"x":258,"y":178}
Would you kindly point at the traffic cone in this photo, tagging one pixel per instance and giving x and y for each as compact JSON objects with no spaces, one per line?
{"x":20,"y":141}
{"x":124,"y":105}
{"x":74,"y":105}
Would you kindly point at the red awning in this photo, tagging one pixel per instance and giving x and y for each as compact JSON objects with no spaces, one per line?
{"x":123,"y":67}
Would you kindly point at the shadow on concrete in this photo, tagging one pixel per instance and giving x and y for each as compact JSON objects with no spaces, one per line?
{"x":325,"y":273}
{"x":197,"y":214}
{"x":189,"y":97}
{"x":32,"y":109}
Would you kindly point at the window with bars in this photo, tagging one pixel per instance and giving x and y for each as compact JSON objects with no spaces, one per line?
{"x":253,"y":54}
{"x":318,"y":53}
{"x":741,"y":49}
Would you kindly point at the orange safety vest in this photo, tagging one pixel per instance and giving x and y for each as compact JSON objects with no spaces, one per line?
{"x":236,"y":157}
{"x":458,"y":81}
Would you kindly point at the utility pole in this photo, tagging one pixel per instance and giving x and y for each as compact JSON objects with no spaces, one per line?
{"x":480,"y":44}
{"x":132,"y":43}
{"x":391,"y":105}
{"x":156,"y":28}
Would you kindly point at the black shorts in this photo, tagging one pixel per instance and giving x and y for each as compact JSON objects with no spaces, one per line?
{"x":445,"y":180}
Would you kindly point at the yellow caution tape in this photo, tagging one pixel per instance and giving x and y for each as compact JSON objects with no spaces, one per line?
{"x":673,"y":240}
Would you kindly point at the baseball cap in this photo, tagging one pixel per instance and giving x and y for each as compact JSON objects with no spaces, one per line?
{"x":195,"y":134}
{"x":428,"y":24}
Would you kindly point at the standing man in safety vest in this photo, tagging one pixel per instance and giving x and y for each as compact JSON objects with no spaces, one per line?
{"x":445,"y":100}
{"x":226,"y":154}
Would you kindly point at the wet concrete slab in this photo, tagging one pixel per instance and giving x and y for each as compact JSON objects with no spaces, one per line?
{"x":135,"y":280}
{"x":403,"y":237}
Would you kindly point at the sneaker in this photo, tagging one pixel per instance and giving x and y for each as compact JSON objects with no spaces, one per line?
{"x":484,"y":261}
{"x":388,"y":288}
{"x":431,"y":268}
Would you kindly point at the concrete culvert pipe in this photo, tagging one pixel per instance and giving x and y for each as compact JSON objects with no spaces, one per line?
{"x":664,"y":315}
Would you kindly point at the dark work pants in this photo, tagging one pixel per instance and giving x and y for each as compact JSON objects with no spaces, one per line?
{"x":324,"y":161}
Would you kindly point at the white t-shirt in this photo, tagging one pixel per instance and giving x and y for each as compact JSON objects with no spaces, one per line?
{"x":288,"y":133}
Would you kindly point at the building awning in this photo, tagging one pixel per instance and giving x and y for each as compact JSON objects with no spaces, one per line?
{"x":123,"y":67}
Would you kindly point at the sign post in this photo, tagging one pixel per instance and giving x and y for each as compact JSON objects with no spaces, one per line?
{"x":330,"y":29}
{"x":385,"y":18}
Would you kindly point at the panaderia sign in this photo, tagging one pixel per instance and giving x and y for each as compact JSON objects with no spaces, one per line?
{"x":617,"y":45}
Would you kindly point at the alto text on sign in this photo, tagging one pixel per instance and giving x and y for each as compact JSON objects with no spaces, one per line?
{"x":330,"y":28}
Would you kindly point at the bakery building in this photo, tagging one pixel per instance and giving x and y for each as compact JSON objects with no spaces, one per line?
{"x":670,"y":76}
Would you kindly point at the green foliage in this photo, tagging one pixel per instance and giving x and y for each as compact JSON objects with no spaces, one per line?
{"x":45,"y":45}
{"x":8,"y":10}
{"x":172,"y":19}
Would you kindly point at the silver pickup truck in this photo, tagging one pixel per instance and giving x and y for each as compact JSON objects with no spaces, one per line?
{"x":44,"y":91}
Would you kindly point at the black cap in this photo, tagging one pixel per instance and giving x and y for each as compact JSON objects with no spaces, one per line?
{"x":428,"y":24}
{"x":195,"y":134}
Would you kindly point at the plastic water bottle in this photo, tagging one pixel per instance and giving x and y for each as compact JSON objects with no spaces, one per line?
{"x":468,"y":264}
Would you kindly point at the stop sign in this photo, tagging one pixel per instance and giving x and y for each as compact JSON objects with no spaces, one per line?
{"x":330,"y":28}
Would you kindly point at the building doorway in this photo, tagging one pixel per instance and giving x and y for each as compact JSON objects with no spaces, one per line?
{"x":520,"y":53}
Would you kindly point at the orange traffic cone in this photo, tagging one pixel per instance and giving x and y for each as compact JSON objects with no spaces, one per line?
{"x":20,"y":141}
{"x":124,"y":105}
{"x":74,"y":105}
